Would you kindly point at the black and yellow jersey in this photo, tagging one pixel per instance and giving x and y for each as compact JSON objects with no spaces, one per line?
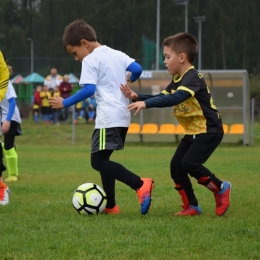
{"x":193,"y":104}
{"x":45,"y":98}
{"x":4,"y":76}
{"x":197,"y":114}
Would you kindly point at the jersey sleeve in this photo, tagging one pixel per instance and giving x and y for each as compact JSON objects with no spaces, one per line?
{"x":127,"y":60}
{"x":4,"y":76}
{"x":89,"y":73}
{"x":168,"y":89}
{"x":190,"y":83}
{"x":10,"y":93}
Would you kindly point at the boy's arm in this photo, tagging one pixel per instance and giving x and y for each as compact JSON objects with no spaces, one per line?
{"x":87,"y":91}
{"x":130,"y":94}
{"x":161,"y":101}
{"x":6,"y":123}
{"x":168,"y":100}
{"x":12,"y":104}
{"x":136,"y":71}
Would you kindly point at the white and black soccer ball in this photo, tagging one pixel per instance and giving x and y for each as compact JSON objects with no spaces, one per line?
{"x":88,"y":199}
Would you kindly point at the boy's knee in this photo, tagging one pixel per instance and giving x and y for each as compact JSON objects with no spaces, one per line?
{"x":187,"y":165}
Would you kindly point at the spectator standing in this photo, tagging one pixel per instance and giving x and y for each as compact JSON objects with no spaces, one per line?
{"x":45,"y":108}
{"x":55,"y":112}
{"x":54,"y":79}
{"x":79,"y":111}
{"x":37,"y":102}
{"x":65,"y":92}
{"x":91,"y":105}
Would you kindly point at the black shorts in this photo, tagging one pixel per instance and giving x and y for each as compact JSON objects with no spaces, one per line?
{"x":15,"y":129}
{"x":108,"y":139}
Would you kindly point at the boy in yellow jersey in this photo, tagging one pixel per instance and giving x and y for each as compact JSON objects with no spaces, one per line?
{"x":54,"y":112}
{"x":196,"y":112}
{"x":45,"y":108}
{"x":37,"y":102}
{"x":4,"y":78}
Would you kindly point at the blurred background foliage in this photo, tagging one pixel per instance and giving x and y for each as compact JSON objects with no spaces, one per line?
{"x":230,"y":34}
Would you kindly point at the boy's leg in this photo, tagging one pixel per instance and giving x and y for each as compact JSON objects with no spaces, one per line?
{"x":36,"y":117}
{"x":182,"y":181}
{"x":11,"y":158}
{"x":201,"y":149}
{"x":104,"y":141}
{"x":4,"y":190}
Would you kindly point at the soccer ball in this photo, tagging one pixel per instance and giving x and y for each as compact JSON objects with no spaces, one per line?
{"x":88,"y":199}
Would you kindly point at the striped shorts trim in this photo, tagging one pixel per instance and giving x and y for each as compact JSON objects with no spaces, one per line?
{"x":102,"y":139}
{"x":108,"y":139}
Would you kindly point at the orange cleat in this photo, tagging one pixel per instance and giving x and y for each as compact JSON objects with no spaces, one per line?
{"x":145,"y":194}
{"x":112,"y":211}
{"x":189,"y":210}
{"x":4,"y":194}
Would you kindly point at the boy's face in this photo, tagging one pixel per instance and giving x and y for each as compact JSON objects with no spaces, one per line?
{"x":172,"y":60}
{"x":79,"y":52}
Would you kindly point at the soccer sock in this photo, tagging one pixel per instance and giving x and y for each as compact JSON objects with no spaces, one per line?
{"x":11,"y":159}
{"x":100,"y":162}
{"x":120,"y":173}
{"x":211,"y":182}
{"x":187,"y":195}
{"x":110,"y":202}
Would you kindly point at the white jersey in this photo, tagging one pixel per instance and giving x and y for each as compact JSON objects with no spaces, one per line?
{"x":106,"y":68}
{"x":10,"y":93}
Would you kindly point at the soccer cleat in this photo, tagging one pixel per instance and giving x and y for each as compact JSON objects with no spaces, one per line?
{"x":189,"y":210}
{"x":222,"y":199}
{"x":4,"y":194}
{"x":145,"y":194}
{"x":11,"y":178}
{"x":112,"y":211}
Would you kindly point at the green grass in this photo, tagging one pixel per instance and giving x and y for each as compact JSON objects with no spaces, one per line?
{"x":40,"y":222}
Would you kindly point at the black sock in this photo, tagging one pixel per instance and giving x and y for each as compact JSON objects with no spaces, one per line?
{"x":110,"y":202}
{"x":100,"y":162}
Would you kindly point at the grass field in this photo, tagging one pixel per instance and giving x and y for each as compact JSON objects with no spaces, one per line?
{"x":40,"y":222}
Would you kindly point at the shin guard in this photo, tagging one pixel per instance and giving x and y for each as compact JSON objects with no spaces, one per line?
{"x":208,"y":183}
{"x":184,"y":197}
{"x":11,"y":159}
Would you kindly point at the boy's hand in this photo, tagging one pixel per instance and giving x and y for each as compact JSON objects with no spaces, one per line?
{"x":56,"y":102}
{"x":137,"y":106}
{"x":128,"y":77}
{"x":130,"y":94}
{"x":5,"y":126}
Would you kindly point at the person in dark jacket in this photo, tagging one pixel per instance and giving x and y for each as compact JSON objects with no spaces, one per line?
{"x":65,"y":89}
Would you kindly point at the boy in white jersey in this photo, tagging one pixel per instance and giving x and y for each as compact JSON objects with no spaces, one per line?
{"x":11,"y":121}
{"x":103,"y":70}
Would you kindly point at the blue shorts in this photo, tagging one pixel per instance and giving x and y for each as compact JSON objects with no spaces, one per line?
{"x":108,"y":139}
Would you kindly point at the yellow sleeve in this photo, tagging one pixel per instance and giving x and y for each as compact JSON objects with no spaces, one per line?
{"x":4,"y":76}
{"x":42,"y":94}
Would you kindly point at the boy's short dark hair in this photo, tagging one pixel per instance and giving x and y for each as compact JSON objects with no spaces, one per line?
{"x":183,"y":42}
{"x":76,"y":31}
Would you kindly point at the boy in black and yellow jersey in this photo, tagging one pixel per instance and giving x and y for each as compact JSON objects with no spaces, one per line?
{"x":196,"y":112}
{"x":45,"y":107}
{"x":4,"y":79}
